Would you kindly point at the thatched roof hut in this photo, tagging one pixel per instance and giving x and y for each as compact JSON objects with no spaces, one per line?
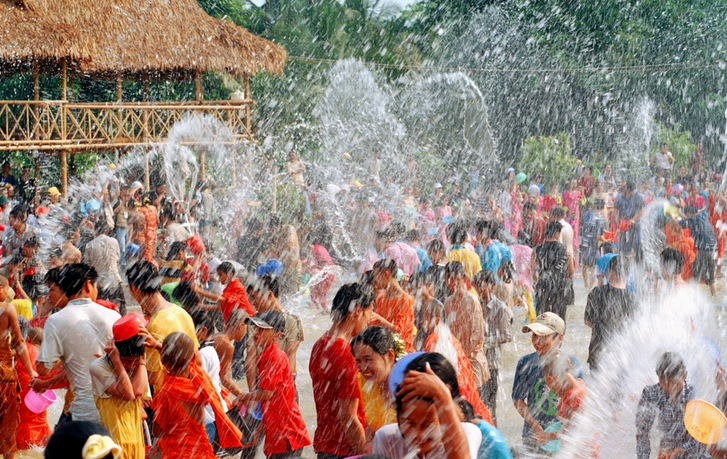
{"x":130,"y":37}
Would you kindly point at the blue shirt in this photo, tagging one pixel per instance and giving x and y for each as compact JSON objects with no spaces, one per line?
{"x":493,"y":444}
{"x":602,"y":264}
{"x":493,"y":255}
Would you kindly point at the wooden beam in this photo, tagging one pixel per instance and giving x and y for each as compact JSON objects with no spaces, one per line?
{"x":198,"y":86}
{"x":64,"y":79}
{"x":202,"y":165}
{"x":119,"y":87}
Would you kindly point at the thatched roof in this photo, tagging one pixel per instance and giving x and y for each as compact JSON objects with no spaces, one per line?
{"x":131,"y":36}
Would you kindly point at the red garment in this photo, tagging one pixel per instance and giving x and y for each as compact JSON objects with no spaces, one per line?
{"x":33,"y":429}
{"x":201,"y":274}
{"x":107,"y":304}
{"x":38,"y":321}
{"x":400,"y":312}
{"x":550,"y":201}
{"x":333,"y":373}
{"x":714,"y":219}
{"x":465,"y":376}
{"x":151,"y":225}
{"x":182,"y":435}
{"x":319,"y":290}
{"x":676,"y":239}
{"x":572,"y":400}
{"x":235,"y":298}
{"x":284,"y":425}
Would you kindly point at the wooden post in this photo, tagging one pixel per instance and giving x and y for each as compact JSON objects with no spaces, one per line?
{"x":64,"y":79}
{"x":198,"y":85}
{"x":64,"y":174}
{"x":36,"y":84}
{"x":202,"y":165}
{"x":248,"y":111}
{"x":119,"y":87}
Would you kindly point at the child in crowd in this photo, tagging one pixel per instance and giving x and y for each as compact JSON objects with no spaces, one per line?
{"x":374,"y":352}
{"x":233,"y":296}
{"x":394,"y":307}
{"x":179,"y":405}
{"x":557,"y":372}
{"x":33,"y":428}
{"x":285,"y":431}
{"x":119,"y":382}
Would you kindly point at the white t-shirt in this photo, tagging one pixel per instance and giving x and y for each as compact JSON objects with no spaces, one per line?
{"x":211,"y":366}
{"x":75,"y":335}
{"x":102,"y":376}
{"x":662,"y":160}
{"x":390,"y":442}
{"x":566,"y":236}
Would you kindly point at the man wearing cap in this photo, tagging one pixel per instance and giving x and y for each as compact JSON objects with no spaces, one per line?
{"x":285,"y":431}
{"x":534,"y":401}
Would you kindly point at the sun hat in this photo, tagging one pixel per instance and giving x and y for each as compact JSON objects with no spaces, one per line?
{"x":270,"y":320}
{"x":53,"y":191}
{"x":547,"y":323}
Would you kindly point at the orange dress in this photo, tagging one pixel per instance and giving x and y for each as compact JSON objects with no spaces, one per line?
{"x":151,"y":225}
{"x":676,"y":239}
{"x":714,"y":218}
{"x":182,"y":435}
{"x":465,"y":376}
{"x":400,"y":312}
{"x":33,"y":429}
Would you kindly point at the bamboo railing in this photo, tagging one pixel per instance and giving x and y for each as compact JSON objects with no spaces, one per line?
{"x":62,"y":125}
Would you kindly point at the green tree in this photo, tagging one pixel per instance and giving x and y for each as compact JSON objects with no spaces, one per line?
{"x":550,"y":156}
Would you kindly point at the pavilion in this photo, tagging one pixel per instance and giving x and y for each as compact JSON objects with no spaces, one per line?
{"x":120,"y":40}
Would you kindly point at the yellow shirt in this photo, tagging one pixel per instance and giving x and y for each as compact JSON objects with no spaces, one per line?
{"x":162,"y":324}
{"x":378,"y":406}
{"x":23,"y":308}
{"x":469,"y":260}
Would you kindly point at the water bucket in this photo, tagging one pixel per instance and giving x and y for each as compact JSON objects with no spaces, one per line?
{"x":37,"y":403}
{"x":553,"y":445}
{"x":704,"y":421}
{"x":609,"y":236}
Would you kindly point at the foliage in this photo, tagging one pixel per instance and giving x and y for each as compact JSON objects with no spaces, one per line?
{"x":679,"y":143}
{"x":550,"y":156}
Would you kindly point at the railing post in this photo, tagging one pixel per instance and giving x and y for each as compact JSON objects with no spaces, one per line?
{"x":64,"y":127}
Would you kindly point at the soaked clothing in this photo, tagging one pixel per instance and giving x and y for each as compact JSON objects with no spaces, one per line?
{"x":151,"y":224}
{"x":33,"y":429}
{"x":235,"y":297}
{"x":9,"y":400}
{"x":468,"y":258}
{"x":607,"y":309}
{"x":550,"y":290}
{"x":654,"y":403}
{"x":378,"y":404}
{"x":400,"y":312}
{"x":465,"y":319}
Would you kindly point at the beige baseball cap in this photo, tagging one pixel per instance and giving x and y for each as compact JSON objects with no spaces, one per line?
{"x":547,"y":323}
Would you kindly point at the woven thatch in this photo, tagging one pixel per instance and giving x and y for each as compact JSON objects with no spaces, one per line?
{"x":130,"y":36}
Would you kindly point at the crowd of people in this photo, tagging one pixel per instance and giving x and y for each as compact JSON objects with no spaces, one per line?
{"x":166,"y":350}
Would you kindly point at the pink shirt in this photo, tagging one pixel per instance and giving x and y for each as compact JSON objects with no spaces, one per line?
{"x":404,"y":255}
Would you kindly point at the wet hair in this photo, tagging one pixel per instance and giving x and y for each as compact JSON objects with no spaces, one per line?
{"x":377,"y":338}
{"x":556,"y":365}
{"x":411,"y":236}
{"x":267,"y":283}
{"x":599,"y":204}
{"x":74,"y":277}
{"x":468,"y":411}
{"x":202,"y":318}
{"x":398,"y":229}
{"x":386,"y":265}
{"x":366,"y":278}
{"x":557,"y":212}
{"x":382,"y":234}
{"x":348,"y":297}
{"x":53,"y":276}
{"x":615,"y":265}
{"x":440,"y":366}
{"x":483,"y":277}
{"x":144,"y":276}
{"x":456,"y":232}
{"x":606,"y":247}
{"x":184,"y":294}
{"x":630,"y":186}
{"x":552,"y":229}
{"x":254,"y":225}
{"x":528,"y":206}
{"x":672,"y":261}
{"x":175,"y":249}
{"x":227,"y":268}
{"x":17,"y":259}
{"x":132,"y":347}
{"x":55,"y":252}
{"x":436,"y":309}
{"x":32,"y":242}
{"x":34,"y":287}
{"x":236,"y":317}
{"x":19,"y":211}
{"x":436,"y":245}
{"x":670,"y":366}
{"x":455,"y":269}
{"x":690,"y":210}
{"x":177,"y":352}
{"x":69,"y":439}
{"x":506,"y":271}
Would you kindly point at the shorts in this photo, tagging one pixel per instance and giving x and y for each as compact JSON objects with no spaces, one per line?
{"x":704,"y":266}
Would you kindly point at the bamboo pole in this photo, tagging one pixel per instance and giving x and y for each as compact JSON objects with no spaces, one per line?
{"x":119,"y":87}
{"x":198,"y":85}
{"x":202,"y":165}
{"x":36,"y":84}
{"x":64,"y":173}
{"x":248,"y":111}
{"x":146,"y":171}
{"x":64,"y":79}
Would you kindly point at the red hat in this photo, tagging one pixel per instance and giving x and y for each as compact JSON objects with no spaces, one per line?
{"x":128,"y":326}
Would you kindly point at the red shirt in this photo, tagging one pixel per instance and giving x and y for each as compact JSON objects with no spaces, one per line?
{"x":333,"y":372}
{"x":572,"y":400}
{"x":281,"y":415}
{"x":235,"y":298}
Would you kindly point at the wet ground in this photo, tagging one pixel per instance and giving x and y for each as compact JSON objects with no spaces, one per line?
{"x":510,"y":423}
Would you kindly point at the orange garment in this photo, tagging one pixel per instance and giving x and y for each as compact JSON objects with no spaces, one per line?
{"x":9,"y":400}
{"x":714,"y":218}
{"x":465,"y":376}
{"x":400,"y":312}
{"x":182,"y":435}
{"x":572,"y":400}
{"x":676,"y":239}
{"x":151,"y":225}
{"x":33,"y":429}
